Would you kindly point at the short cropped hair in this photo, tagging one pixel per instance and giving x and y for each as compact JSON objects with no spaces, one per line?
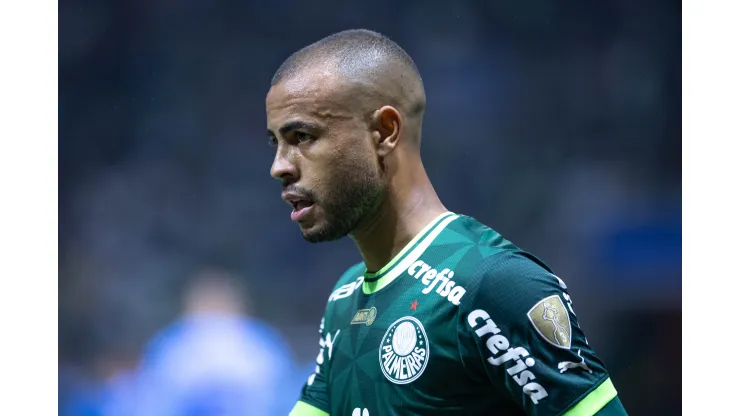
{"x":353,"y":50}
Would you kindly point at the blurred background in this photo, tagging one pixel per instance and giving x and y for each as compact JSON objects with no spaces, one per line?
{"x":184,"y":288}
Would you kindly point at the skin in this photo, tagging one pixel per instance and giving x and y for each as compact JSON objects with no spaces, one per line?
{"x":355,"y":151}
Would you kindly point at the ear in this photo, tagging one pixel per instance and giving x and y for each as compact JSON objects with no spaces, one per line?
{"x":386,"y":130}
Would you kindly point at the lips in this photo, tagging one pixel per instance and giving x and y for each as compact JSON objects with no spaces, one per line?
{"x":298,"y":201}
{"x":302,"y":205}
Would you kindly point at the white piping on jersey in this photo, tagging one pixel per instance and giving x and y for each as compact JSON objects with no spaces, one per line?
{"x":411,"y":257}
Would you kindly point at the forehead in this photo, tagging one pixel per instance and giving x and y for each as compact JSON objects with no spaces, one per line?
{"x":317,"y":94}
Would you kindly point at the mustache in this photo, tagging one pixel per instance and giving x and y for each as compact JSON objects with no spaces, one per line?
{"x":299,"y":190}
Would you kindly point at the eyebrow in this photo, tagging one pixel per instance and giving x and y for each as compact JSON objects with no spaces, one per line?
{"x":294,"y":125}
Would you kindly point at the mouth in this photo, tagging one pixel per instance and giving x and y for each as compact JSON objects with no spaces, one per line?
{"x":301,"y":205}
{"x":301,"y":209}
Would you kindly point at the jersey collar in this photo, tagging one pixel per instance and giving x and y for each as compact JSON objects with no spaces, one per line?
{"x":373,"y":282}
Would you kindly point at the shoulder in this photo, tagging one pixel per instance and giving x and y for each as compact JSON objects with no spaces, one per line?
{"x":493,"y":269}
{"x":512,"y":279}
{"x":519,"y":292}
{"x":468,"y":230}
{"x":348,"y":282}
{"x":469,"y":259}
{"x":351,"y":274}
{"x":515,"y":307}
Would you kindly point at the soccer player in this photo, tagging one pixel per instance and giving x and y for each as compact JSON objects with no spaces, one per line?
{"x":443,"y":316}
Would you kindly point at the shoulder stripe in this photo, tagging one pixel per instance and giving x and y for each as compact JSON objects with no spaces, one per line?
{"x":595,"y":401}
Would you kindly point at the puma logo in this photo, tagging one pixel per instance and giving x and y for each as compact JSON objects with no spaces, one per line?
{"x":567,"y":365}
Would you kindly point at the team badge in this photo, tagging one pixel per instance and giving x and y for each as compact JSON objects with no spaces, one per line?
{"x":365,"y":316}
{"x":551,"y":320}
{"x":404,"y":351}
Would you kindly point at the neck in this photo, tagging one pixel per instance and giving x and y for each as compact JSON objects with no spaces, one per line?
{"x":398,"y":220}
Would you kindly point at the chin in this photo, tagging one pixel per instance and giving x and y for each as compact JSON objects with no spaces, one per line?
{"x":320,"y":233}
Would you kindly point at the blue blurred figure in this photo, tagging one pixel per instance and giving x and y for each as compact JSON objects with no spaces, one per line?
{"x":215,"y":360}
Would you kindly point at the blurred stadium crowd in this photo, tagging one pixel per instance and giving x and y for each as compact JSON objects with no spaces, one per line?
{"x":183,"y":284}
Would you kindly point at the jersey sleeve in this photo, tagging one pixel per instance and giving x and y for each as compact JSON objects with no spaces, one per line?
{"x":518,"y":332}
{"x":314,"y":398}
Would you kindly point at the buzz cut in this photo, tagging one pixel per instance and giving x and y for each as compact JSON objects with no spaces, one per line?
{"x":354,"y":51}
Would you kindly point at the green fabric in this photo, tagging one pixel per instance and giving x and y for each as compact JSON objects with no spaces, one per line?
{"x":375,"y":281}
{"x":613,"y":408}
{"x":464,"y":305}
{"x":595,"y":401}
{"x":305,"y":409}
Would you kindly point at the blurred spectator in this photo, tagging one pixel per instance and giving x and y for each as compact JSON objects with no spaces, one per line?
{"x":214,"y":360}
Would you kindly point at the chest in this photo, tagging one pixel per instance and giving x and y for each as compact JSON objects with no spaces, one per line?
{"x":396,"y":350}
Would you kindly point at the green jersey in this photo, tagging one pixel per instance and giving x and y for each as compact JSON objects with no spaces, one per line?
{"x":461,"y":322}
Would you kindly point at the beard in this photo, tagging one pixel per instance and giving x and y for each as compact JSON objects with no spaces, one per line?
{"x":353,"y":197}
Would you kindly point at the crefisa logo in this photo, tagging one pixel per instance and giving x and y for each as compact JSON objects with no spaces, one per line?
{"x":404,"y":351}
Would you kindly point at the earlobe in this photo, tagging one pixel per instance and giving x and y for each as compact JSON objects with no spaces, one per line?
{"x":387,"y":122}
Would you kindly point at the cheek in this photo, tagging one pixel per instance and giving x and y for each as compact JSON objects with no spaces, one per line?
{"x":354,"y":167}
{"x":344,"y":159}
{"x":339,"y":176}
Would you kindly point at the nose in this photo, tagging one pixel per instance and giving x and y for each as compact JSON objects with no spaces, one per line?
{"x":283,"y":167}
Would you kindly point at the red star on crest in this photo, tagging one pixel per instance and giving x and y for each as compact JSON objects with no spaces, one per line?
{"x":414,"y":304}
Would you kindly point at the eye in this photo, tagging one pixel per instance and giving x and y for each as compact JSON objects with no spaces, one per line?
{"x":272,"y":140}
{"x":302,"y":137}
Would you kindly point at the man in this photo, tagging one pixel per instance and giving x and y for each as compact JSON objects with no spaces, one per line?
{"x":214,"y":359}
{"x":444,"y":316}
